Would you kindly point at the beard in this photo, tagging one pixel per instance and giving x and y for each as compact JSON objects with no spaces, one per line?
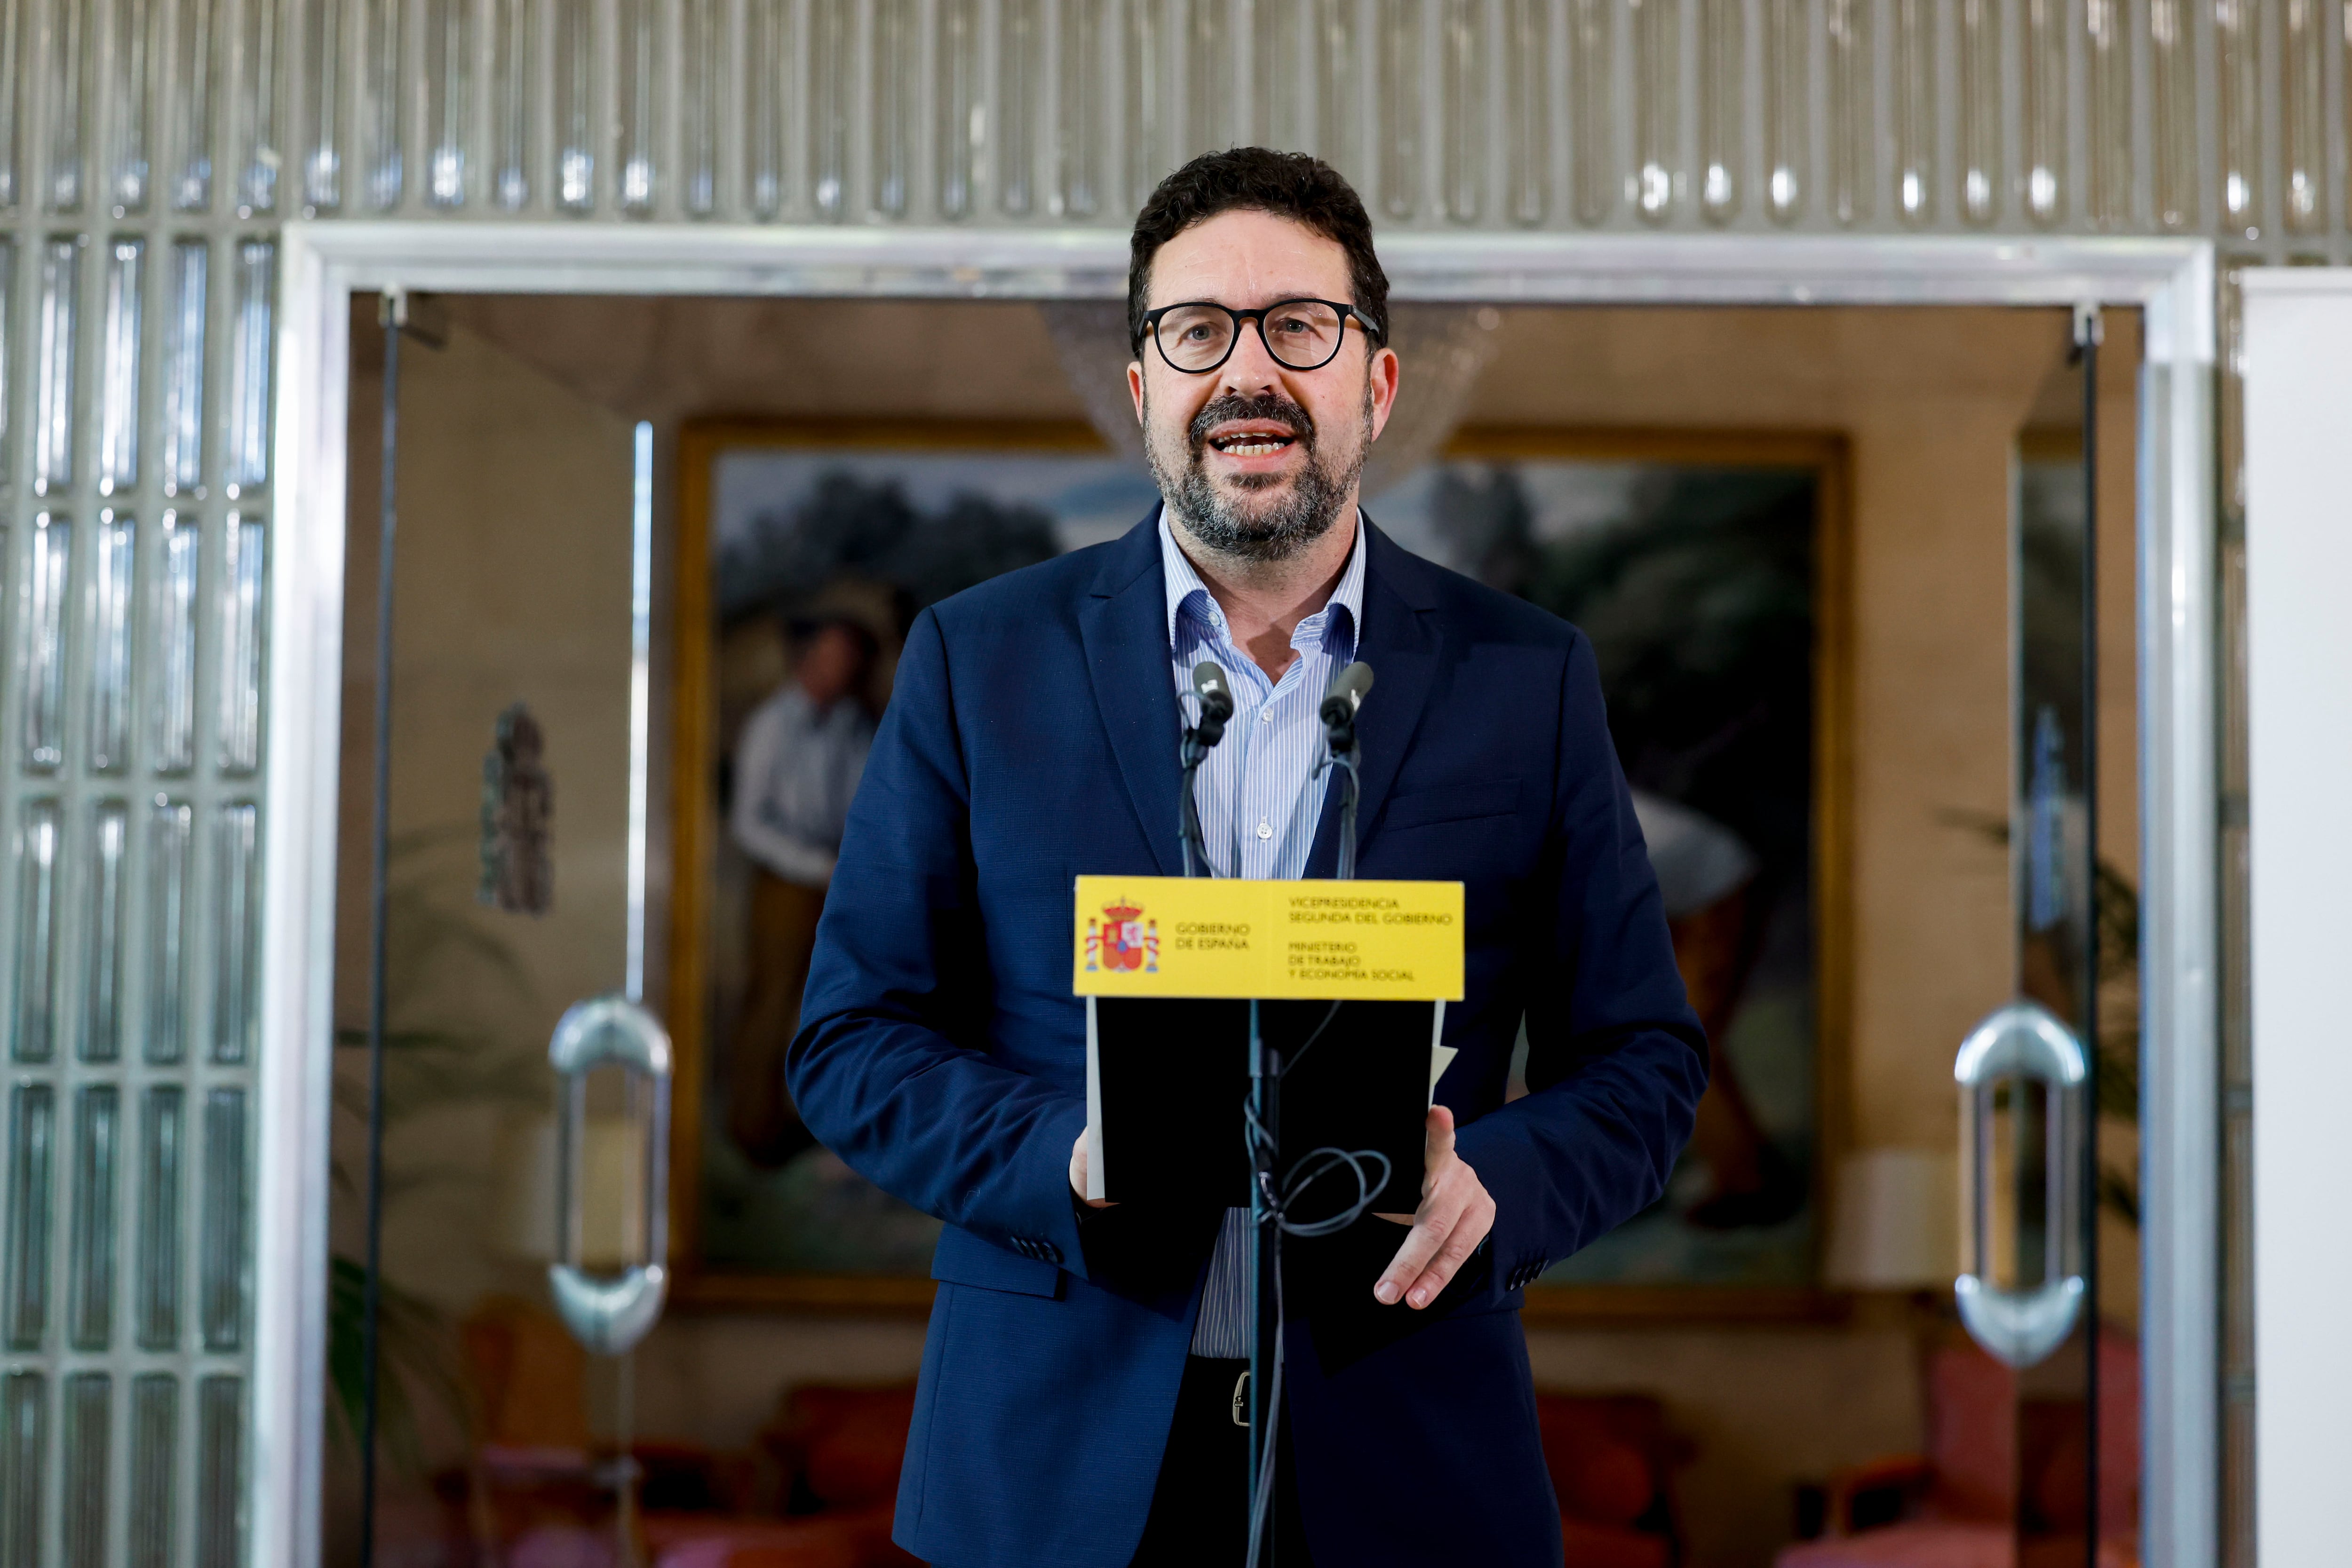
{"x":1302,"y":506}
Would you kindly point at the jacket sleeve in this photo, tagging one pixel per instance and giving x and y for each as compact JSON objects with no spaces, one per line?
{"x":1616,"y":1060}
{"x":890,"y":1068}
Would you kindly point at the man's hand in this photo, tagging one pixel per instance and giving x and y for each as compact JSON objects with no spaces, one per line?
{"x":1454,"y":1216}
{"x":1078,"y":1175}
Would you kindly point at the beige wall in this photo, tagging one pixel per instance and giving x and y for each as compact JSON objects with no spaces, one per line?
{"x":1928,"y":402}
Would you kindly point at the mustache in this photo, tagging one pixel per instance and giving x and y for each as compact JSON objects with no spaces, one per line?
{"x":1271,"y":407}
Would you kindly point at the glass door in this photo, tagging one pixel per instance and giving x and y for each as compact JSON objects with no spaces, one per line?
{"x":501,"y":1150}
{"x":2037,"y":1074}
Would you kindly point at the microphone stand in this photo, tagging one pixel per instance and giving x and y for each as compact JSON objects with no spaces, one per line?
{"x":1349,"y":788}
{"x":1192,"y":753}
{"x":1216,"y":700}
{"x":1261,"y":1119}
{"x":1265,"y":1130}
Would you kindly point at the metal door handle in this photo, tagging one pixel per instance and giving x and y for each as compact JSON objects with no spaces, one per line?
{"x":609,"y":1315}
{"x":2023,"y":1041}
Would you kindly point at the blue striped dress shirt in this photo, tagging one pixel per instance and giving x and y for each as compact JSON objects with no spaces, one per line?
{"x":1260,"y":803}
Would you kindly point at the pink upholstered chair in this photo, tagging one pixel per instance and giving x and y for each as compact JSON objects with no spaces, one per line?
{"x":1952,"y":1507}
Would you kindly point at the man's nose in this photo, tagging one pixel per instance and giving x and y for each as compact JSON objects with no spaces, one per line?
{"x":1249,"y":369}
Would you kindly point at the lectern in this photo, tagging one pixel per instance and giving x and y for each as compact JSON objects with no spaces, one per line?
{"x":1272,"y":1043}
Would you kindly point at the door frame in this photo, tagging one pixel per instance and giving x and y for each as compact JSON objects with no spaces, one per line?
{"x":2172,"y":281}
{"x":2298,"y":326}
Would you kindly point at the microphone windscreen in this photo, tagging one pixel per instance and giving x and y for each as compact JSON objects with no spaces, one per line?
{"x":1345,"y":692}
{"x":1215,"y":691}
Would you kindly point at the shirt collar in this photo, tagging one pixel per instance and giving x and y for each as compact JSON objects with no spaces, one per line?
{"x":1336,"y":622}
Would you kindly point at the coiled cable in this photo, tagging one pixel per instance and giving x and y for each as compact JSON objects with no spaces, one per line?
{"x":1310,"y":1168}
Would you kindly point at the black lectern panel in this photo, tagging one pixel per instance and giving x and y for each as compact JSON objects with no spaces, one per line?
{"x":1174,"y":1078}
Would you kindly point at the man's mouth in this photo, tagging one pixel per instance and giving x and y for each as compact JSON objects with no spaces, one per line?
{"x":1252,"y":441}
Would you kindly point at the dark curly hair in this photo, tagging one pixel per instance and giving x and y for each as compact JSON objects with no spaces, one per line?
{"x":1294,"y":185}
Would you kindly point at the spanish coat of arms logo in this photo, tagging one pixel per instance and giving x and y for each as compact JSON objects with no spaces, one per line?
{"x":1123,"y":939}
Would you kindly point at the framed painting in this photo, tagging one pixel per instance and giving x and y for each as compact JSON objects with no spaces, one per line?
{"x":1710,"y":571}
{"x":806,"y":547}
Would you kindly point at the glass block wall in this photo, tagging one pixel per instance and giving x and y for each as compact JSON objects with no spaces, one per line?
{"x":148,"y":148}
{"x":2182,"y":117}
{"x":136,"y":344}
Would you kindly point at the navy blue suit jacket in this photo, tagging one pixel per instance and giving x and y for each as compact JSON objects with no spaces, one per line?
{"x":1032,"y":737}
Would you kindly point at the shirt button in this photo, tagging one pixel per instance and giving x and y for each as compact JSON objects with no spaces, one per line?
{"x":1265,"y":716}
{"x":1265,"y":831}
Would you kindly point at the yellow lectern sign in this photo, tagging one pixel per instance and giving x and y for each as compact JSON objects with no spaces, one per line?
{"x":1202,"y":937}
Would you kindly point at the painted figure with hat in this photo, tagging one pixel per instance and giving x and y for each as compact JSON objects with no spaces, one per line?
{"x":796,"y":768}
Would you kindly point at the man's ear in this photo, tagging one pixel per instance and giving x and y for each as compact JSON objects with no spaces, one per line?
{"x":1381,"y":373}
{"x":1135,"y":387}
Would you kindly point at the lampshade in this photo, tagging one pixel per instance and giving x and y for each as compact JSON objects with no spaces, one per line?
{"x":1895,"y":1221}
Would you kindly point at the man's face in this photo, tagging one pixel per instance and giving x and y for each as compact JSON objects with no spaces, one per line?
{"x":831,"y":664}
{"x":1256,"y":459}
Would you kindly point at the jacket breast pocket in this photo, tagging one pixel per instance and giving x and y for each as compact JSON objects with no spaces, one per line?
{"x":962,"y":1258}
{"x":1452,"y":803}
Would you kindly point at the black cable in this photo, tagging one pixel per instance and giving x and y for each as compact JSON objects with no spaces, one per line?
{"x":1311,"y":1168}
{"x":1314,"y":1167}
{"x":1310,"y":1039}
{"x":1262,"y":1494}
{"x":1304,"y":1174}
{"x":379,"y":901}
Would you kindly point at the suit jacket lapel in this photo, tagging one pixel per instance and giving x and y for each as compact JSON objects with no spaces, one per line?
{"x":1123,"y":627}
{"x":1399,"y":640}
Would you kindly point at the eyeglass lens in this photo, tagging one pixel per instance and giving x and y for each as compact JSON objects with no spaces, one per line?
{"x":1301,"y":334}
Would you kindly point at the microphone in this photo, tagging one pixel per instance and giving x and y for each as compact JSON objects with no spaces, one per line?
{"x":1340,"y":701}
{"x":1216,"y":696}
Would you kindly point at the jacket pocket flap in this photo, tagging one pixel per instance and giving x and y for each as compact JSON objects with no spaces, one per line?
{"x":1454,"y":803}
{"x":963,"y":1259}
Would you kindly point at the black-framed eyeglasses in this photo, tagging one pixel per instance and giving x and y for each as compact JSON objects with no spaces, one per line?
{"x":1196,"y":335}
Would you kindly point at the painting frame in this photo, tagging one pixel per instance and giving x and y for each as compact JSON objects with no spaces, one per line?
{"x":1826,"y":454}
{"x":695,"y":825}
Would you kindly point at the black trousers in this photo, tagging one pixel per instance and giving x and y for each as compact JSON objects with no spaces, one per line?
{"x":1200,"y":1508}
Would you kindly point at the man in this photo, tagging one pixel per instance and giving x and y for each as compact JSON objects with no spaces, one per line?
{"x":796,"y":767}
{"x":1080,"y":1370}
